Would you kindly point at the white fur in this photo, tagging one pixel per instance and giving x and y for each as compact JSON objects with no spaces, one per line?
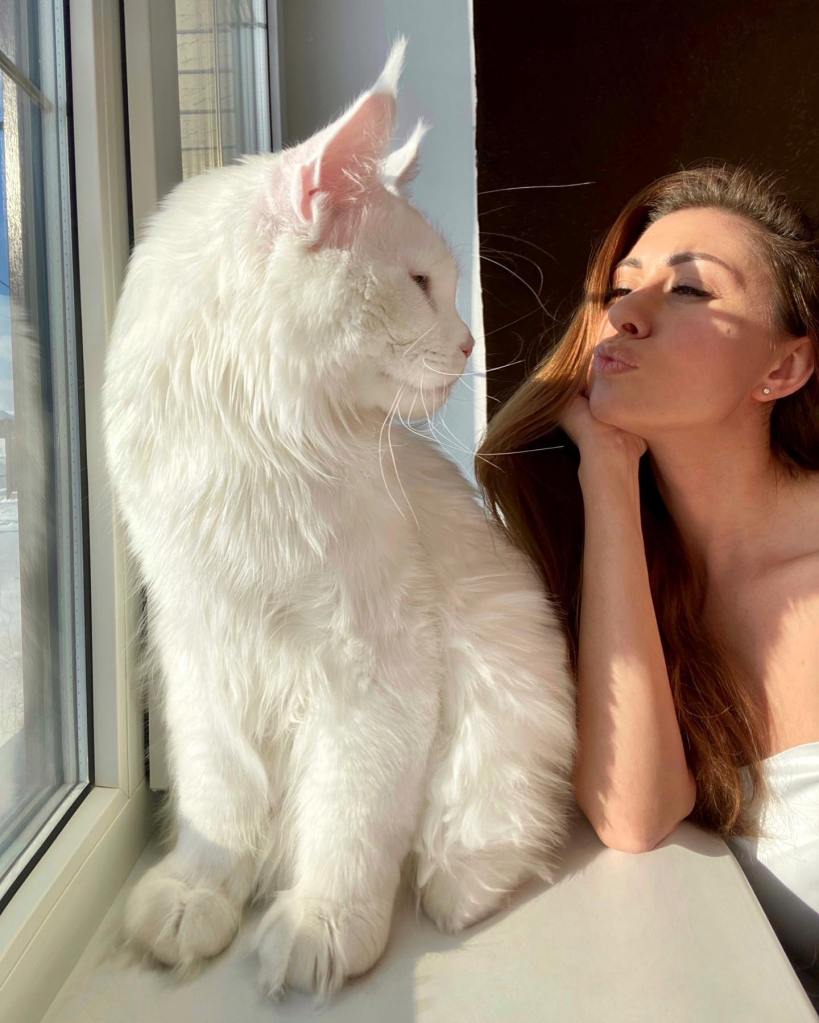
{"x":355,"y":665}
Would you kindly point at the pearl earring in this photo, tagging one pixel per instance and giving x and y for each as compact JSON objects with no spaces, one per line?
{"x":766,"y":390}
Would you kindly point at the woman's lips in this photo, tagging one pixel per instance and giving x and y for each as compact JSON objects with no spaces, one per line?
{"x":608,"y":364}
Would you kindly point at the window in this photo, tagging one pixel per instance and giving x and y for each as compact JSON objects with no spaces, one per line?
{"x":222,"y":61}
{"x":45,"y":760}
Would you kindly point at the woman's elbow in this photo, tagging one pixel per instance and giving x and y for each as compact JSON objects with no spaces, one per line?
{"x":628,"y":841}
{"x":635,"y":834}
{"x":635,"y":840}
{"x":635,"y":837}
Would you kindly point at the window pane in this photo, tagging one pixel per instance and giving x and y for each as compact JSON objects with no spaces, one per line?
{"x":223,"y":81}
{"x":44,"y":756}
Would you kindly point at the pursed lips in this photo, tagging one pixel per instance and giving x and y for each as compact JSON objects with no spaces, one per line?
{"x":609,"y":354}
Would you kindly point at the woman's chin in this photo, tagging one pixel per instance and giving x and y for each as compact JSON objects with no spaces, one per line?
{"x":608,"y":408}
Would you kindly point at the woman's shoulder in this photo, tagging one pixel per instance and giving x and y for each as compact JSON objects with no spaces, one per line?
{"x":769,"y":620}
{"x":794,"y":550}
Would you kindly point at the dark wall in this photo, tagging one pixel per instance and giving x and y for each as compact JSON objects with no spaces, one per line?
{"x":618,"y":93}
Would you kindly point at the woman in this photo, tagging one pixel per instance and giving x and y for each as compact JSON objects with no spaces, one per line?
{"x":686,"y":513}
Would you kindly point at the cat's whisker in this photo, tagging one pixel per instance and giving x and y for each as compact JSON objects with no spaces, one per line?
{"x":485,"y":454}
{"x":458,"y":443}
{"x":524,"y":282}
{"x":442,"y":423}
{"x":524,"y":241}
{"x":480,"y":373}
{"x":426,"y":413}
{"x":517,"y":319}
{"x":498,"y":209}
{"x":433,"y":435}
{"x":503,"y":266}
{"x":463,"y":381}
{"x":525,"y":188}
{"x":440,"y":372}
{"x":420,"y":337}
{"x":526,"y":451}
{"x":504,"y":365}
{"x":460,"y":376}
{"x":519,"y":255}
{"x":517,"y":276}
{"x":510,"y":323}
{"x":472,"y":372}
{"x":397,"y":474}
{"x":388,"y":418}
{"x":418,"y":433}
{"x":516,"y":358}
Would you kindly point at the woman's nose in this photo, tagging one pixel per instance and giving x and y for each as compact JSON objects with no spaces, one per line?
{"x":626,"y":318}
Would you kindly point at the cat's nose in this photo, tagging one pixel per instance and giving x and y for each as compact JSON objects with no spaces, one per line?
{"x":467,"y":347}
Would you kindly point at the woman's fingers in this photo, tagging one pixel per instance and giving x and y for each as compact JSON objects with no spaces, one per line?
{"x":576,"y":418}
{"x":588,"y":433}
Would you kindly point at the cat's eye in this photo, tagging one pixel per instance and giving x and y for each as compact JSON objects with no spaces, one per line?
{"x":422,"y":281}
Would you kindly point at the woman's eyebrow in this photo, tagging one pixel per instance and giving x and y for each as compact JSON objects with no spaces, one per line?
{"x":686,"y":257}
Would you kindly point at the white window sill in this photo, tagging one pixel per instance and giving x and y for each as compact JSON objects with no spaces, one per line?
{"x":674,"y":934}
{"x":52,"y":917}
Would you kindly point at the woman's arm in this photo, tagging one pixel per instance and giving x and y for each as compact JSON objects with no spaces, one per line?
{"x":631,"y":778}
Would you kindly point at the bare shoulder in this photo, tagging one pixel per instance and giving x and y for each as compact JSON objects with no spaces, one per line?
{"x":797,"y":558}
{"x":787,"y":581}
{"x":767,"y":619}
{"x":776,"y":629}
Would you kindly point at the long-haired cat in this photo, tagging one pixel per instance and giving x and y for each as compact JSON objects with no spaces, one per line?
{"x":356,"y":667}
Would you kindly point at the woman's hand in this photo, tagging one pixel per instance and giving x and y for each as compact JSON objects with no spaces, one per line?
{"x":599,"y":440}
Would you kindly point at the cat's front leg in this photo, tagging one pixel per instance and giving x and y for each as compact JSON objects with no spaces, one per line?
{"x":499,"y":795}
{"x":189,"y":905}
{"x":356,"y":809}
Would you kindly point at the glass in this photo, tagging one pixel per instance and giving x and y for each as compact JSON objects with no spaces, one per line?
{"x":44,"y":686}
{"x":224,"y":106}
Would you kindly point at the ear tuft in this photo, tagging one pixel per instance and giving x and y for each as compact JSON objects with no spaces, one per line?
{"x":402,"y":165}
{"x":388,"y":79}
{"x":342,"y":166}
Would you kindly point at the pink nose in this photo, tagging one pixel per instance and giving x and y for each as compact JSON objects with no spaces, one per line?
{"x":467,"y":348}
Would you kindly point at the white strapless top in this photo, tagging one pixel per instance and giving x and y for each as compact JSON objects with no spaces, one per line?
{"x":783,"y":867}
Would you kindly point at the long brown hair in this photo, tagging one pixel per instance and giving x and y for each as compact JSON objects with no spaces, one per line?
{"x":535,"y":494}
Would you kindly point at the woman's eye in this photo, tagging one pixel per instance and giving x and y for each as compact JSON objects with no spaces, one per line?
{"x":683,"y":289}
{"x":613,"y":293}
{"x":691,"y":290}
{"x":422,"y":281}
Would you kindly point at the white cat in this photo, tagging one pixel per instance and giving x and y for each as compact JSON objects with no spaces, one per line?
{"x":355,"y":664}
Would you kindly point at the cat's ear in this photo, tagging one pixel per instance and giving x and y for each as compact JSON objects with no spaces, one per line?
{"x":402,"y":165}
{"x":346,"y":165}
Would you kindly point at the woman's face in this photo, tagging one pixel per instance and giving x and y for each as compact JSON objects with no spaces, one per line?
{"x":690,"y":308}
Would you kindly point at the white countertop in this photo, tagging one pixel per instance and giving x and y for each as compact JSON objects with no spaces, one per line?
{"x":675,"y":934}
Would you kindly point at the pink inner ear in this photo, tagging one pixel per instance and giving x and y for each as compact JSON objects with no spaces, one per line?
{"x":307,"y":190}
{"x":348,"y":163}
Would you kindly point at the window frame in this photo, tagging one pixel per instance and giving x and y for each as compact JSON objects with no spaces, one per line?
{"x":36,"y":252}
{"x":56,"y":909}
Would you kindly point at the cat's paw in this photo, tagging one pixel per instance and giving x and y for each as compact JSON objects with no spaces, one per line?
{"x":179,"y":923}
{"x":457,"y":900}
{"x":313,"y":944}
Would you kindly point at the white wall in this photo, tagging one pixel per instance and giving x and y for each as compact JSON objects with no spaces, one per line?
{"x":333,"y":49}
